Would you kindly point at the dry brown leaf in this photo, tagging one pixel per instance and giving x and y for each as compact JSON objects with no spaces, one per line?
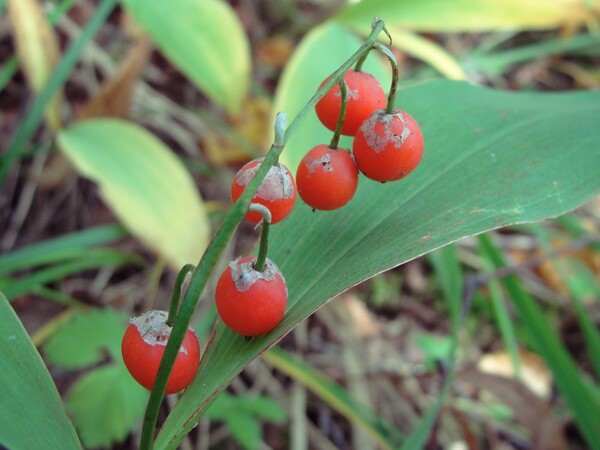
{"x":56,"y":170}
{"x":37,"y":50}
{"x":275,"y":51}
{"x":535,"y":374}
{"x":533,"y":413}
{"x":254,"y":125}
{"x":114,"y":99}
{"x":361,"y":318}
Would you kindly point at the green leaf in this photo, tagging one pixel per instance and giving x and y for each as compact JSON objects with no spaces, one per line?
{"x":144,"y":183}
{"x":246,"y":430}
{"x":263,"y":407}
{"x":60,"y":248}
{"x":33,"y":416}
{"x":78,"y":262}
{"x":322,"y":50}
{"x":106,"y":405}
{"x":205,"y":40}
{"x":87,"y":338}
{"x":467,"y":15}
{"x":436,"y":348}
{"x":491,"y":159}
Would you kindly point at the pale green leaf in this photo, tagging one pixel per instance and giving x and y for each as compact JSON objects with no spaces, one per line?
{"x":245,"y":429}
{"x":146,"y":186}
{"x":106,"y":405}
{"x":205,"y":40}
{"x":87,"y":338}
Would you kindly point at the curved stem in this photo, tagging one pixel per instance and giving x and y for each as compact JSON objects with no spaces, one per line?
{"x":176,"y":296}
{"x":378,"y":26}
{"x":209,"y":260}
{"x":391,"y":100}
{"x":340,"y":123}
{"x":263,"y":247}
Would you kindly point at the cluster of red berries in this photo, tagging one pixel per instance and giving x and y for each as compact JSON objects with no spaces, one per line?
{"x":387,"y":145}
{"x":251,"y":294}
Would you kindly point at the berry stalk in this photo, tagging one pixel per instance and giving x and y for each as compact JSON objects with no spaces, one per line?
{"x":263,"y":247}
{"x":335,"y":140}
{"x":394,"y":86}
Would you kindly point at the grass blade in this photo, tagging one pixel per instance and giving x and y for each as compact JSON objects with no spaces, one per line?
{"x":569,"y":381}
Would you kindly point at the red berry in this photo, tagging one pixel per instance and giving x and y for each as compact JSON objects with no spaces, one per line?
{"x":327,"y":178}
{"x":144,"y":344}
{"x":277,"y":191}
{"x":364,"y":96}
{"x":388,"y":147}
{"x":250,"y":302}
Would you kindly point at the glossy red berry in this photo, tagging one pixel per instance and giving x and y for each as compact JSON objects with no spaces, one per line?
{"x":277,"y":191}
{"x":365,"y":95}
{"x":250,"y":302}
{"x":144,"y":344}
{"x":388,"y":147}
{"x":327,"y":178}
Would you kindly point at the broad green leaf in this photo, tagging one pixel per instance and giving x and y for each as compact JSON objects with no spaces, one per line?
{"x":205,"y":40}
{"x":146,"y":186}
{"x":87,"y":338}
{"x":33,"y":416}
{"x":322,"y":51}
{"x":491,"y":159}
{"x":468,"y":15}
{"x":106,"y":405}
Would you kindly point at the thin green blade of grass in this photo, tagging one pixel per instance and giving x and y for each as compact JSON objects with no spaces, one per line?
{"x":61,"y":248}
{"x":501,"y":313}
{"x":500,"y":61}
{"x":91,"y":259}
{"x":335,"y":396}
{"x":570,"y":383}
{"x":8,"y":70}
{"x":35,"y":112}
{"x":449,"y":272}
{"x":575,"y":276}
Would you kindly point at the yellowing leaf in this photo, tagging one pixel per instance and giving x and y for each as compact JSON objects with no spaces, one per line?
{"x":146,"y":186}
{"x":472,"y":15}
{"x":37,"y":50}
{"x":205,"y":40}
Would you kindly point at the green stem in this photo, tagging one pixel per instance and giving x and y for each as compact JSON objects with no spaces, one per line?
{"x":203,"y":271}
{"x":391,"y":100}
{"x":340,"y":123}
{"x":174,"y":307}
{"x":363,"y":58}
{"x":59,"y":76}
{"x":335,"y":77}
{"x":263,"y":247}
